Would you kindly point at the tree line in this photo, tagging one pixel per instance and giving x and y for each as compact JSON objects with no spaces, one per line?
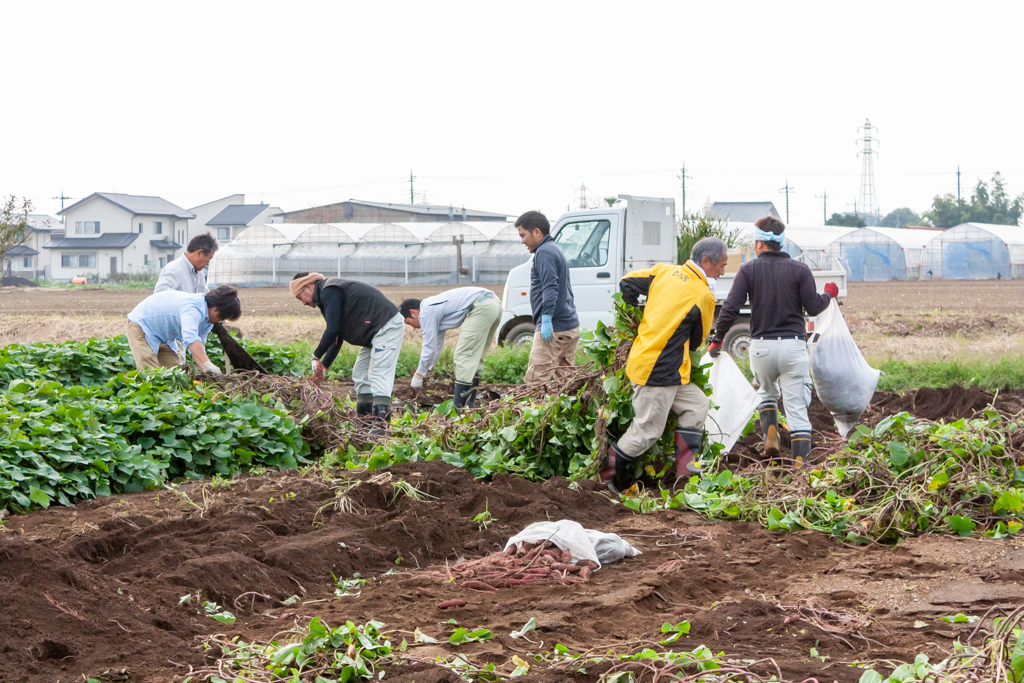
{"x":985,"y":206}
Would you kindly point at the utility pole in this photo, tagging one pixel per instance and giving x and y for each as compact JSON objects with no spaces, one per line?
{"x":868,"y":201}
{"x":957,"y":184}
{"x":787,"y":189}
{"x":412,"y":178}
{"x":62,"y":197}
{"x":824,"y":206}
{"x":682,"y":177}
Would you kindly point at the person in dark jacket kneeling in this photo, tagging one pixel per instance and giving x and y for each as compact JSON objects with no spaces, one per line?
{"x":362,"y":316}
{"x":780,"y":290}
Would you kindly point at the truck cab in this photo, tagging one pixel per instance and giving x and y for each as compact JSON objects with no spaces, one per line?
{"x":601,"y":246}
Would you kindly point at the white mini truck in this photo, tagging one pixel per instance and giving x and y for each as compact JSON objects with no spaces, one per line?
{"x":602,"y":245}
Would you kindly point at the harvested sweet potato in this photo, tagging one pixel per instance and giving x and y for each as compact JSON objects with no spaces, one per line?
{"x":451,"y":603}
{"x":478,"y":586}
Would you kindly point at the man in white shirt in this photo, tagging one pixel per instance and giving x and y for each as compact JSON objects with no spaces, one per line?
{"x":477,"y":311}
{"x":185,"y":273}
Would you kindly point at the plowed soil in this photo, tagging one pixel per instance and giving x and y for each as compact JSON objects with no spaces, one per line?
{"x":95,"y":589}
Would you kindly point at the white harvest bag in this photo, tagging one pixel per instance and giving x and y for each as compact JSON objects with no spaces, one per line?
{"x":582,"y":544}
{"x":843,"y":379}
{"x":733,"y":401}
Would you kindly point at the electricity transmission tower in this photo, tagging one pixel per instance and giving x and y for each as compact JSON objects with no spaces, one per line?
{"x":868,"y":202}
{"x":583,"y":197}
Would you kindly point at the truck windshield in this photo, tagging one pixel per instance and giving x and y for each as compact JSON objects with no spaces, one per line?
{"x":585,"y":243}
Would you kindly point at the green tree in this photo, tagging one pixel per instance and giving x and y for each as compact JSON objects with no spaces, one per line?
{"x":850,"y":220}
{"x":696,"y":226}
{"x":984,"y":206}
{"x":612,"y":201}
{"x":899,"y":218}
{"x":13,"y":227}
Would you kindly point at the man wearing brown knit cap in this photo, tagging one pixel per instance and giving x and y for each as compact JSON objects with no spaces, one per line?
{"x":362,"y":316}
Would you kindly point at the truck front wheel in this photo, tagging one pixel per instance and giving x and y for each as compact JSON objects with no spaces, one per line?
{"x":737,"y":342}
{"x":520,"y":334}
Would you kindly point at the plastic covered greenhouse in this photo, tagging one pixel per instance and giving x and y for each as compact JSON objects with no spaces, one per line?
{"x":976,"y":251}
{"x":877,"y":254}
{"x":809,"y":244}
{"x":378,"y":254}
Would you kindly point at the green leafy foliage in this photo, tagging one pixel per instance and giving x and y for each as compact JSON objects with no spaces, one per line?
{"x":461,"y":636}
{"x":903,"y":477}
{"x":135,"y":431}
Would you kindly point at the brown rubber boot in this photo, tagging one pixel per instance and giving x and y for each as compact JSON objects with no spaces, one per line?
{"x":768,"y":419}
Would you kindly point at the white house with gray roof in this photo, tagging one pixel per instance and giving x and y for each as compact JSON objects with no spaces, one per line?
{"x":110,"y":233}
{"x":28,"y":259}
{"x":235,"y":218}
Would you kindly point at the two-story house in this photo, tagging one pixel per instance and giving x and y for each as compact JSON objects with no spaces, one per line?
{"x":28,"y":259}
{"x":110,"y":233}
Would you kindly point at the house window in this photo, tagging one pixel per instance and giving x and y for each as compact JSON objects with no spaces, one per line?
{"x":87,"y":227}
{"x":140,"y":228}
{"x":78,"y":260}
{"x":163,"y":261}
{"x":158,"y":228}
{"x":26,"y":262}
{"x":145,"y":259}
{"x":223,"y":233}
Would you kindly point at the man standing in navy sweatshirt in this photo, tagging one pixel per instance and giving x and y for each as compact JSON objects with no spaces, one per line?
{"x":554,"y":311}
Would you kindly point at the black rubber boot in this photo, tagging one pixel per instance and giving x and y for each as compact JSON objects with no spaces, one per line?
{"x":381,"y":416}
{"x":801,"y":444}
{"x":608,"y":464}
{"x":462,"y":394}
{"x":625,"y":471}
{"x":768,"y":419}
{"x":364,"y":405}
{"x":688,"y":443}
{"x":471,"y":402}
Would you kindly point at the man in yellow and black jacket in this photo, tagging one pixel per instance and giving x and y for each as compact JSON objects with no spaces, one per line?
{"x":678,"y":315}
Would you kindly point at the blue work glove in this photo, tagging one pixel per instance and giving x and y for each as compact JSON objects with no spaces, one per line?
{"x":546,"y":332}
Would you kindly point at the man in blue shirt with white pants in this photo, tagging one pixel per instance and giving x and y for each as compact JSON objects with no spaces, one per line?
{"x":477,"y":311}
{"x":166,"y":319}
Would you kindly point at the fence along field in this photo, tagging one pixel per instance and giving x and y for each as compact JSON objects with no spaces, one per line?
{"x":76,"y":426}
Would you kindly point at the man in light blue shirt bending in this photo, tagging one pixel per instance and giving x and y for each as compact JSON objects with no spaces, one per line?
{"x":477,"y":311}
{"x":166,"y":323}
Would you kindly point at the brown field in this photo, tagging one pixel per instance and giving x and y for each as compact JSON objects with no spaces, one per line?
{"x":940,"y":319}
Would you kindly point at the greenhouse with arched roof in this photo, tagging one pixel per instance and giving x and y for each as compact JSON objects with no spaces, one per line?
{"x":378,"y":254}
{"x":976,"y":251}
{"x":877,"y":254}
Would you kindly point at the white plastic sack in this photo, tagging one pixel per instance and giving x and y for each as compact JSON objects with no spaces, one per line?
{"x":733,"y":402}
{"x":843,"y":379}
{"x":582,"y":544}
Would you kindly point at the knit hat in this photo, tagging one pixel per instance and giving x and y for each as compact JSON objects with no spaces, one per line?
{"x":296,"y":285}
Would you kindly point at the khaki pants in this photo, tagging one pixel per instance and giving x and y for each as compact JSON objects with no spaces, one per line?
{"x":651,"y":406}
{"x":143,"y":354}
{"x":546,"y":356}
{"x":475,"y":338}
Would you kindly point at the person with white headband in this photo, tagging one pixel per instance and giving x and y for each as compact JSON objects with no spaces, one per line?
{"x":780,"y":290}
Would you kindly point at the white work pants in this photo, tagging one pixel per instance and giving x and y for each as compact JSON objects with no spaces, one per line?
{"x":783,"y":366}
{"x":374,"y":371}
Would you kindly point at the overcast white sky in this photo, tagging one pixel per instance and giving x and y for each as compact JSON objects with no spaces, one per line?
{"x":508,"y":107}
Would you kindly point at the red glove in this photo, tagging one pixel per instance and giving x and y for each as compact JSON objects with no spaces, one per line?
{"x":833,"y":289}
{"x":715,"y":348}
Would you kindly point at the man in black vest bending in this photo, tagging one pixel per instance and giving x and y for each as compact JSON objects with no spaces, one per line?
{"x":362,"y":316}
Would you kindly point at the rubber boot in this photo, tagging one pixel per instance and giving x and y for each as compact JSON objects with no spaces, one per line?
{"x":381,"y":415}
{"x":461,"y":398}
{"x":625,"y":472}
{"x":801,"y":445}
{"x":688,"y":443}
{"x":364,"y":405}
{"x":608,"y":464}
{"x":768,"y":418}
{"x":471,"y":402}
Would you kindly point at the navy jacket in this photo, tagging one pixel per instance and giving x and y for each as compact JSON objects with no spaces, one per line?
{"x":550,"y":289}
